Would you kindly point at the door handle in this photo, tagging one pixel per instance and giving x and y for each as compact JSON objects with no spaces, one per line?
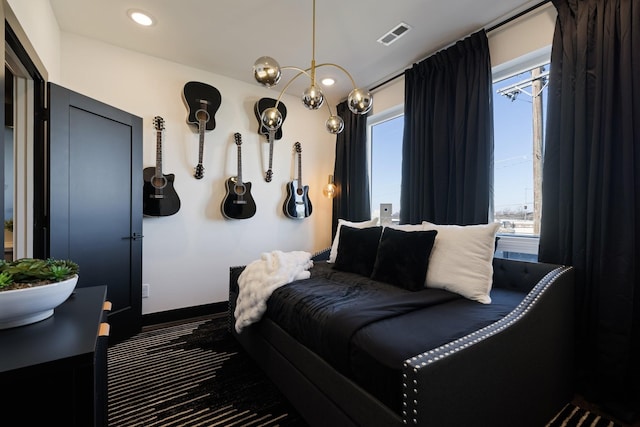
{"x":134,"y":236}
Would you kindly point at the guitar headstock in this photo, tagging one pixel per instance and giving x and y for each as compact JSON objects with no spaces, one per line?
{"x":238,"y":138}
{"x":158,"y":123}
{"x":268,"y":176}
{"x":298,"y":147}
{"x":199,"y":172}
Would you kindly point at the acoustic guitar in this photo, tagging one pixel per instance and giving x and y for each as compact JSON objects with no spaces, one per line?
{"x":297,"y":205}
{"x":202,"y":101}
{"x":261,"y":105}
{"x":160,"y":197}
{"x":238,"y":202}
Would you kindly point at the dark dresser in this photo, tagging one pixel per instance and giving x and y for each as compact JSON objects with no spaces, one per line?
{"x":54,"y":372}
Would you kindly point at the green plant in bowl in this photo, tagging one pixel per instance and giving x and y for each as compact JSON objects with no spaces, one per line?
{"x":30,"y":272}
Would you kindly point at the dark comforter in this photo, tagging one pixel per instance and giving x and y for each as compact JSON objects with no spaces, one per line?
{"x":367,"y":329}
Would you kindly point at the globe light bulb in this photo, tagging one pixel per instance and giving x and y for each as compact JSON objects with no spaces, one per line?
{"x":334,"y":124}
{"x":360,"y":101}
{"x":313,"y":98}
{"x":266,"y":71}
{"x":330,"y":189}
{"x":271,"y":118}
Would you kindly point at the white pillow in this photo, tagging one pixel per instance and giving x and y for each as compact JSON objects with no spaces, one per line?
{"x":462,"y":259}
{"x":334,"y":247}
{"x":407,"y":227}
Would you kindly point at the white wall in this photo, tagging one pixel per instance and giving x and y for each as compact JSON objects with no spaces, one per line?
{"x":187,"y":255}
{"x":40,"y":25}
{"x":529,"y":33}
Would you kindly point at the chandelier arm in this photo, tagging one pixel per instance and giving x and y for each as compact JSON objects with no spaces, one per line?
{"x":300,"y":72}
{"x":353,"y":82}
{"x":329,"y":108}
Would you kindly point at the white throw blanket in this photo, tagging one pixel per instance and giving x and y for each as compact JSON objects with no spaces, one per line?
{"x":263,"y":276}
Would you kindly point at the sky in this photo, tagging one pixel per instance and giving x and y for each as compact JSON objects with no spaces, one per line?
{"x":513,"y":178}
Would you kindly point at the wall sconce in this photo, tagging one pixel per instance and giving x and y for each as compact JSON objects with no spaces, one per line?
{"x":329,"y":190}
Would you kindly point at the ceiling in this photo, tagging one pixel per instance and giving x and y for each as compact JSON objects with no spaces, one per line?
{"x":225,"y":37}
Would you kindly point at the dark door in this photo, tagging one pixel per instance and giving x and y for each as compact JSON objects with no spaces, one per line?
{"x":95,"y":200}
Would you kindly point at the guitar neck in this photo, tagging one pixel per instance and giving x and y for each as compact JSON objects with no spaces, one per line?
{"x":299,"y":170}
{"x":159,"y":153}
{"x":271,"y":137}
{"x":201,"y":126}
{"x":239,"y":177}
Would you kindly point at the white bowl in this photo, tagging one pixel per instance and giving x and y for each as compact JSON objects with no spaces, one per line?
{"x":29,"y":305}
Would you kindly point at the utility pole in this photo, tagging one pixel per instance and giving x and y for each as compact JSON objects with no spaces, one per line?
{"x":537,"y":81}
{"x":536,"y":92}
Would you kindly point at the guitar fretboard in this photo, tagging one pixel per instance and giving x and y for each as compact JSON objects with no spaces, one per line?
{"x":239,"y":178}
{"x":203,"y":117}
{"x":299,"y":151}
{"x":158,"y":153}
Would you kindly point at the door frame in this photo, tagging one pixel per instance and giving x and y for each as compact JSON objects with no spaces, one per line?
{"x":23,"y":52}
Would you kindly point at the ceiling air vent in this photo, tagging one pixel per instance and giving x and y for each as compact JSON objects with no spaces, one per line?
{"x":393,"y":35}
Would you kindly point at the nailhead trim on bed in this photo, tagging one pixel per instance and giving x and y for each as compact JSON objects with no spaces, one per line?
{"x":413,"y":365}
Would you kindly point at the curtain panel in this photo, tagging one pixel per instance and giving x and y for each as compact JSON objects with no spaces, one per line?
{"x":447,"y":154}
{"x":591,"y":188}
{"x":351,"y":172}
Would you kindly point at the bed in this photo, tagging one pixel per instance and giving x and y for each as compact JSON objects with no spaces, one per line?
{"x":349,"y":350}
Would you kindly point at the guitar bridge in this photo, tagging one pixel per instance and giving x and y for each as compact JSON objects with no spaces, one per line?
{"x":156,"y":196}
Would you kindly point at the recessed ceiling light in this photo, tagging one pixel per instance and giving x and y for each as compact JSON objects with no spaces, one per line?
{"x":140,"y":17}
{"x":328,"y":81}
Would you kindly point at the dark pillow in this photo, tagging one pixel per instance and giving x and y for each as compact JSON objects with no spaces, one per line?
{"x":357,"y":249}
{"x":403,"y":258}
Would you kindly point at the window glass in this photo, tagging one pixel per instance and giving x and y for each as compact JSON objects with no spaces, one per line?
{"x":385,"y":152}
{"x":519,"y":110}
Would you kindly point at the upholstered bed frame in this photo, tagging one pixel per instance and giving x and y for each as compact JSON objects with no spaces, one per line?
{"x":516,"y":371}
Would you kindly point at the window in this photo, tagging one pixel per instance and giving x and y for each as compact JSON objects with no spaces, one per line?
{"x":385,"y":163}
{"x":519,"y":108}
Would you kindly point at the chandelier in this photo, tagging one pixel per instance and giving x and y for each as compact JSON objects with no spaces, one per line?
{"x":268,"y":72}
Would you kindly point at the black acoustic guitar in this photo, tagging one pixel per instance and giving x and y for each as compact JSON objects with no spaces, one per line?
{"x":160,"y":197}
{"x":203,"y":101}
{"x":261,"y":105}
{"x":297,"y":205}
{"x":238,"y":202}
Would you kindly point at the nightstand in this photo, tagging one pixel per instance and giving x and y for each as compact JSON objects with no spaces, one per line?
{"x":55,"y":371}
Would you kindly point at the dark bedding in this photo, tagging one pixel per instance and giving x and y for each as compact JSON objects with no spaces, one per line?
{"x":367,"y":329}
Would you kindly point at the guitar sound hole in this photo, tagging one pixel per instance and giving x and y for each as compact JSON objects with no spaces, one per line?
{"x":299,"y":191}
{"x":202,"y":115}
{"x":159,"y":182}
{"x":239,"y":190}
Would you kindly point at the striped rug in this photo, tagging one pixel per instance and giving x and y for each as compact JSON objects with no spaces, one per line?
{"x":193,"y":374}
{"x":196,"y":374}
{"x":574,"y":416}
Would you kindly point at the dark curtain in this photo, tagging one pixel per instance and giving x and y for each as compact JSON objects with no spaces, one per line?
{"x":591,"y":189}
{"x":351,"y":172}
{"x":447,"y":153}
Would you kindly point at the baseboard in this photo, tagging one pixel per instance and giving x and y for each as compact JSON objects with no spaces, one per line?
{"x":181,"y":314}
